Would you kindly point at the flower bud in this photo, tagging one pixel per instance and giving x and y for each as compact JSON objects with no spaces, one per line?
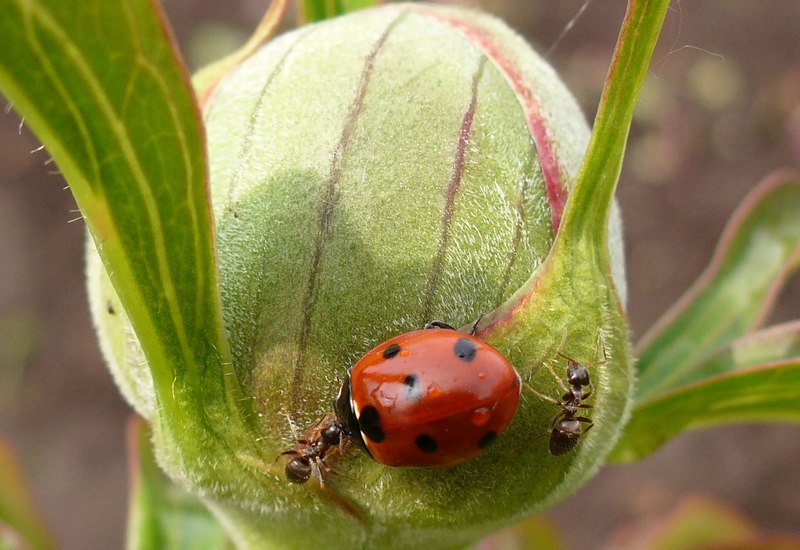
{"x":370,"y":174}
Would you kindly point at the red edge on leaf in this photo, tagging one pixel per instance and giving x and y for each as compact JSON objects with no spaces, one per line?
{"x":266,"y":28}
{"x":556,"y":191}
{"x":133,"y":431}
{"x":766,"y":186}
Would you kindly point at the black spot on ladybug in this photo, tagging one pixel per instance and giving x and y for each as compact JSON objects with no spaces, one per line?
{"x":369,"y":423}
{"x":411,"y":386}
{"x":391,"y":351}
{"x":110,"y":308}
{"x":465,"y":349}
{"x":487,"y":439}
{"x":426,"y":443}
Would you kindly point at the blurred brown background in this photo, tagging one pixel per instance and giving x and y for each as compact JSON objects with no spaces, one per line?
{"x":720,"y":110}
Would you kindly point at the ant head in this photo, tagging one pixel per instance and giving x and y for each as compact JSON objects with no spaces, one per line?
{"x":577,"y":374}
{"x":578,"y":370}
{"x":332,"y":433}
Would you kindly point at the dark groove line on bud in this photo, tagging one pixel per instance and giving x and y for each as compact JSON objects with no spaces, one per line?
{"x":247,"y":148}
{"x":327,"y":208}
{"x":519,"y":227}
{"x":452,"y":190}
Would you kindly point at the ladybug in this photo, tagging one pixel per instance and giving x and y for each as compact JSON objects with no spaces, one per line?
{"x":428,"y":398}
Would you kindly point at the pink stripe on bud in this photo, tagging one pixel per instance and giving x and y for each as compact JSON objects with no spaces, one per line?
{"x":556,"y":190}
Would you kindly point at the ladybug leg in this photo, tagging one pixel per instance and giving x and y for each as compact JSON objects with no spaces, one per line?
{"x":474,"y":328}
{"x":438,"y":324}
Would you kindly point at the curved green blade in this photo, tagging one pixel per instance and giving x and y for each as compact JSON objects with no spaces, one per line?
{"x":759,"y":381}
{"x":758,"y":251}
{"x":101,"y":85}
{"x":772,"y":344}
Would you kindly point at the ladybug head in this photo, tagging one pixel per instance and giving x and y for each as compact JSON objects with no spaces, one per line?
{"x":343,"y":408}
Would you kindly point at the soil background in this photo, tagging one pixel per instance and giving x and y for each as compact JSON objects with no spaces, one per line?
{"x":720,"y":110}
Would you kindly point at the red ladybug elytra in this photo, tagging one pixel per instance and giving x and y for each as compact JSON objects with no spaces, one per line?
{"x":428,"y":398}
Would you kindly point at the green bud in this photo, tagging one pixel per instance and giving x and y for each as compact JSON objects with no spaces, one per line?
{"x":369,"y":174}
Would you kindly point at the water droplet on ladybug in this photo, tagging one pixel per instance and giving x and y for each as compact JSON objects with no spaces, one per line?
{"x":480,"y":416}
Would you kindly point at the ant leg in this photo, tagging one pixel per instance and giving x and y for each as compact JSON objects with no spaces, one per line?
{"x":586,"y":421}
{"x":317,"y":473}
{"x":560,"y":381}
{"x":561,"y":346}
{"x":541,"y":435}
{"x":553,"y":422}
{"x":290,"y":452}
{"x":438,"y":324}
{"x":543,"y":396}
{"x":568,"y":358}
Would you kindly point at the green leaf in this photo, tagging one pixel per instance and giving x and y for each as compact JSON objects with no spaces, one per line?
{"x":310,"y":11}
{"x":162,"y":516}
{"x":760,"y":381}
{"x":776,"y":343}
{"x":101,"y":85}
{"x":20,"y":524}
{"x":758,"y":251}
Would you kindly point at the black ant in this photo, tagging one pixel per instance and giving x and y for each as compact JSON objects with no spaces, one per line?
{"x":322,"y":439}
{"x":566,"y":429}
